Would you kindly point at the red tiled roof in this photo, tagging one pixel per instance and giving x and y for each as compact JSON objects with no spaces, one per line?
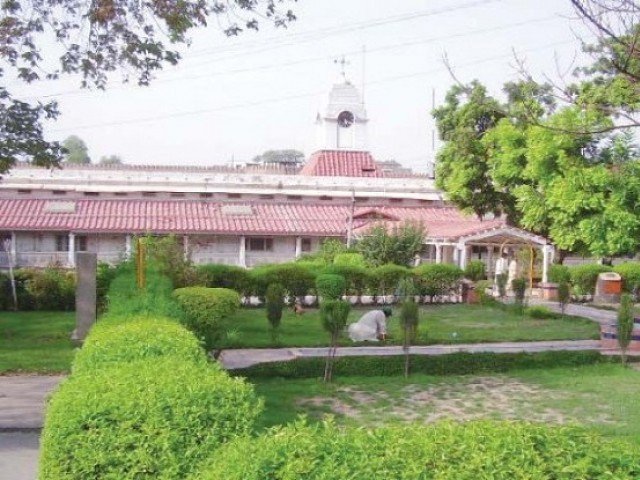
{"x":341,"y":163}
{"x":210,"y":217}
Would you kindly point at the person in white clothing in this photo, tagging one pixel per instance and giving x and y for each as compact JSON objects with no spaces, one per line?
{"x":371,"y":327}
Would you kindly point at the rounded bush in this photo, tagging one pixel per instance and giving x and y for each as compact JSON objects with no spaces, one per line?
{"x":559,"y":274}
{"x":205,"y":308}
{"x":147,"y":419}
{"x":111,"y":342}
{"x":356,"y":276}
{"x":295,"y":277}
{"x":447,"y":451}
{"x":630,"y":273}
{"x":225,"y":276}
{"x":475,"y":270}
{"x":385,"y":278}
{"x":437,"y":279}
{"x":585,"y":277}
{"x":330,"y":286}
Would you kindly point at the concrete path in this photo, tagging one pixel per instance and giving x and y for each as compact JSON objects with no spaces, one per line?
{"x":242,"y":358}
{"x":19,"y":455}
{"x":601,"y":316}
{"x":22,"y":400}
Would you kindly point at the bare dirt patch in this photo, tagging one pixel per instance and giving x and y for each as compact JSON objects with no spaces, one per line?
{"x":468,"y":399}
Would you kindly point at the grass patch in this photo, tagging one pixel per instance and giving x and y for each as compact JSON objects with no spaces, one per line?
{"x":439,"y":324}
{"x":36,"y":342}
{"x":601,"y":396}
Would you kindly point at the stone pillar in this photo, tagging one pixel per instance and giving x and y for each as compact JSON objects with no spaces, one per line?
{"x":71,"y":259}
{"x":242,"y":252}
{"x":185,"y":244}
{"x":463,"y":255}
{"x":127,"y":246}
{"x":456,"y":255}
{"x":545,"y":263}
{"x":438,"y":253}
{"x":489,"y":260}
{"x":86,"y":265}
{"x":298,"y":247}
{"x":13,"y":252}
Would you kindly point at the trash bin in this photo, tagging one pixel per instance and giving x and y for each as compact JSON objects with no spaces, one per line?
{"x":608,"y":288}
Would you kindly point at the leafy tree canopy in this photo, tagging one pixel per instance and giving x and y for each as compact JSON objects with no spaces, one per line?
{"x":76,"y":151}
{"x":399,"y":246}
{"x":284,"y":157}
{"x":97,"y":39}
{"x":111,"y":160}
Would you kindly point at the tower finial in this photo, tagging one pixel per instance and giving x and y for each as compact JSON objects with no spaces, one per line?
{"x":343,"y":62}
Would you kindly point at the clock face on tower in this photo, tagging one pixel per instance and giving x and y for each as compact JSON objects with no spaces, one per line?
{"x":345,"y":119}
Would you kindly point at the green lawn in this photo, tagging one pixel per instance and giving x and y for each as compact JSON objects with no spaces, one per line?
{"x":603,"y":397}
{"x":36,"y":342}
{"x":439,"y":324}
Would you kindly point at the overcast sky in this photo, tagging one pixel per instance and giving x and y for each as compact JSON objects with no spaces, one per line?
{"x":236,"y":97}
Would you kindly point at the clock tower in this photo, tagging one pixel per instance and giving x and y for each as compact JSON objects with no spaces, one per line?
{"x":342,"y":124}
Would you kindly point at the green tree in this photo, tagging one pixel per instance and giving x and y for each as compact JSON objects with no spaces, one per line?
{"x":625,"y":325}
{"x":333,"y":314}
{"x":111,"y":160}
{"x":97,"y":39}
{"x":463,"y":170}
{"x":409,"y":318}
{"x":274,"y":299}
{"x":564,"y":295}
{"x":399,"y":245}
{"x":281,"y":157}
{"x":76,"y":151}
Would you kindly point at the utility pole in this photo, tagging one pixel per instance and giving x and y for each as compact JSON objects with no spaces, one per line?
{"x":351,"y":215}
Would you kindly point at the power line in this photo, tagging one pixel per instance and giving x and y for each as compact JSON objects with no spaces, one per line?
{"x":271,"y":66}
{"x":297,"y":96}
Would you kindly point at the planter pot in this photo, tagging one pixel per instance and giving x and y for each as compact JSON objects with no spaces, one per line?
{"x":353,"y":299}
{"x":255,"y":301}
{"x":366,"y":300}
{"x":549,"y":291}
{"x":310,"y":300}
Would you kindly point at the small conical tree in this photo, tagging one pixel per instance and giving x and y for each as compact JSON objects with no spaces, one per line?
{"x":334,"y":314}
{"x":409,"y":317}
{"x":274,"y":299}
{"x":564,"y":295}
{"x":625,"y":325}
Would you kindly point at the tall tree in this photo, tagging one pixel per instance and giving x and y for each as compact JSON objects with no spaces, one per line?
{"x":381,"y":246}
{"x":97,"y":39}
{"x":282,"y":157}
{"x":76,"y":151}
{"x":462,"y":164}
{"x":111,"y":160}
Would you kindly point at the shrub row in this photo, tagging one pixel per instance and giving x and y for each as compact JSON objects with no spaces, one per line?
{"x":447,"y":451}
{"x":142,"y":400}
{"x":448,"y":364}
{"x":47,"y":289}
{"x":298,"y":278}
{"x":584,"y":277}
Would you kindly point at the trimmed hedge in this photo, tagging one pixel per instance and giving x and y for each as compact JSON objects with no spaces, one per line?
{"x":559,"y":274}
{"x":205,"y":308}
{"x":630,"y":273}
{"x":437,"y":279}
{"x":296,"y":278}
{"x":448,"y":364}
{"x":215,"y":275}
{"x":475,"y":270}
{"x":357,"y":277}
{"x":384,"y":279}
{"x":110,"y":343}
{"x":445,"y":451}
{"x":330,"y":286}
{"x":584,"y":277}
{"x":148,"y":419}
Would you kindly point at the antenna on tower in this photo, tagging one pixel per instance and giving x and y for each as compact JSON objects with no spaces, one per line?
{"x":364,"y":71}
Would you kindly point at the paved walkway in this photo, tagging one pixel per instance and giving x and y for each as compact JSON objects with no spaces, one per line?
{"x":22,"y":400}
{"x":603,"y":317}
{"x":242,"y":358}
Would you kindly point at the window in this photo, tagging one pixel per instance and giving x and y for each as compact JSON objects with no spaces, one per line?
{"x":234,"y":195}
{"x":91,"y":194}
{"x":24,"y":192}
{"x":59,"y":192}
{"x":305,"y":245}
{"x":120,"y":194}
{"x":81,"y":243}
{"x":294,"y":197}
{"x":148,"y":194}
{"x":206,"y":195}
{"x":266,"y":197}
{"x":62,"y":243}
{"x":177,"y":194}
{"x":325,"y":197}
{"x":259,"y":244}
{"x":396,"y":200}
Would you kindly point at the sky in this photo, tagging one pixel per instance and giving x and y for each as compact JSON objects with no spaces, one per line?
{"x":232,"y":98}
